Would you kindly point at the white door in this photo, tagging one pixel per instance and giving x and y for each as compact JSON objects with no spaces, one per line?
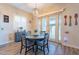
{"x":52,"y":32}
{"x":55,"y":33}
{"x":52,"y":25}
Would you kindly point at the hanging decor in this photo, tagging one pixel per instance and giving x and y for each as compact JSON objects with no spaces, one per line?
{"x":35,"y":10}
{"x":76,"y":17}
{"x":6,"y":18}
{"x":65,"y":17}
{"x":70,"y":17}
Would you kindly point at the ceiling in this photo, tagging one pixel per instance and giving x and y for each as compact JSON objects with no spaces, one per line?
{"x":44,"y":8}
{"x":28,"y":7}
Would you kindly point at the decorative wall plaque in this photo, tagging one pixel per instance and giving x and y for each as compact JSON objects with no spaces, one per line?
{"x":70,"y":17}
{"x":76,"y":17}
{"x":65,"y":17}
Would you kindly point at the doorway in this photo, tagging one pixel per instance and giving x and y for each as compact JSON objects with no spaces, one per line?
{"x":52,"y":25}
{"x":55,"y":33}
{"x":52,"y":32}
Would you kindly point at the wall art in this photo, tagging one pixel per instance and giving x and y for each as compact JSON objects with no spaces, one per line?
{"x":76,"y":17}
{"x":6,"y":18}
{"x":70,"y":17}
{"x":65,"y":17}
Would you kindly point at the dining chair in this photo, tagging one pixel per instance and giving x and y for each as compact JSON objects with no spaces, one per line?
{"x":27,"y":44}
{"x":44,"y":43}
{"x":29,"y":33}
{"x":42,"y":32}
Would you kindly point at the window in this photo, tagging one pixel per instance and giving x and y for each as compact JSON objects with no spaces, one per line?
{"x":59,"y":19}
{"x":52,"y":20}
{"x":52,"y":24}
{"x":44,"y":24}
{"x":20,"y":21}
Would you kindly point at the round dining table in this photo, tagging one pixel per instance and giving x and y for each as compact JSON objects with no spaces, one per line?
{"x":35,"y":38}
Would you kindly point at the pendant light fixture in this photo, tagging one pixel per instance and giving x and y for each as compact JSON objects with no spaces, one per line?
{"x":35,"y":10}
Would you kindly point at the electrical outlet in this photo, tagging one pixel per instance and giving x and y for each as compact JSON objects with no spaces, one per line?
{"x":2,"y":28}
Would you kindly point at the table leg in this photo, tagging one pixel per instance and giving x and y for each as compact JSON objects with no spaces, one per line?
{"x":36,"y":47}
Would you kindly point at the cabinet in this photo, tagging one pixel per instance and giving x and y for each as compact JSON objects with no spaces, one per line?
{"x":17,"y":37}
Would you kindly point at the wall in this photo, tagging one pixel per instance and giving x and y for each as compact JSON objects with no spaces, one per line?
{"x":72,"y":38}
{"x":6,"y":29}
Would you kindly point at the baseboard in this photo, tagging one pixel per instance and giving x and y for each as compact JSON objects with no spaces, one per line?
{"x":56,"y":42}
{"x":3,"y":45}
{"x":65,"y":45}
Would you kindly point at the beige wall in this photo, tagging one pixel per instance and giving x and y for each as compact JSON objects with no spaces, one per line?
{"x":73,"y":35}
{"x":6,"y":35}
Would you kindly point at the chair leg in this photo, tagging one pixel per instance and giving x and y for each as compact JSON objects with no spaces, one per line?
{"x":44,"y":50}
{"x":48,"y":48}
{"x":25,"y":51}
{"x":21,"y":50}
{"x":33,"y":48}
{"x":37,"y":49}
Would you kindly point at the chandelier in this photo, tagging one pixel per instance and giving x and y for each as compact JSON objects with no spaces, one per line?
{"x":35,"y":10}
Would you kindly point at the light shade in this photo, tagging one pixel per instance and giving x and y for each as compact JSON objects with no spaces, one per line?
{"x":35,"y":12}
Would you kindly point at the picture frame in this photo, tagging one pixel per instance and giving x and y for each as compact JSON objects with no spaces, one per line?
{"x":6,"y":18}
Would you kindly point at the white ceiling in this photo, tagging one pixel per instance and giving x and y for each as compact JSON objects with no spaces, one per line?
{"x":44,"y":8}
{"x":29,"y":6}
{"x":22,"y":6}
